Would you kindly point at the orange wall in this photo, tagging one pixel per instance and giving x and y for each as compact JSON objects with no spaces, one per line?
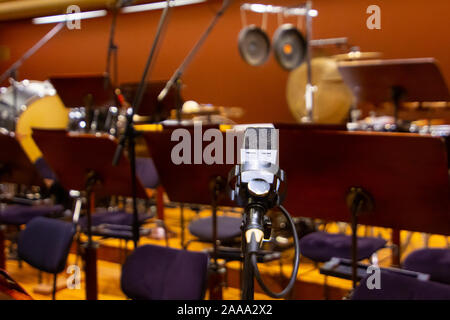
{"x":410,"y":28}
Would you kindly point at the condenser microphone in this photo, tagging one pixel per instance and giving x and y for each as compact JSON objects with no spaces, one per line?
{"x":258,"y":180}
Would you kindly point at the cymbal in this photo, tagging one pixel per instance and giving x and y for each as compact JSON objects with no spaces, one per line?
{"x":357,"y":55}
{"x":332,"y":100}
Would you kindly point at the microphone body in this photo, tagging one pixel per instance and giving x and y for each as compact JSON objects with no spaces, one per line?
{"x":258,"y":181}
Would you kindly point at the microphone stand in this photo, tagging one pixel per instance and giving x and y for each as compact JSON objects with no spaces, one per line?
{"x":112,"y":47}
{"x":16,"y":65}
{"x":175,"y":80}
{"x":130,"y":132}
{"x":12,"y":70}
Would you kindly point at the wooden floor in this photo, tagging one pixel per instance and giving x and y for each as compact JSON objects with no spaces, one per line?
{"x":309,"y":283}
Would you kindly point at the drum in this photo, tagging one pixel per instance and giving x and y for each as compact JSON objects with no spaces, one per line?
{"x":332,"y":99}
{"x":31,"y":104}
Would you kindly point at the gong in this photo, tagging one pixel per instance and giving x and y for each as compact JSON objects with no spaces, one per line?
{"x":254,"y":45}
{"x":289,"y":46}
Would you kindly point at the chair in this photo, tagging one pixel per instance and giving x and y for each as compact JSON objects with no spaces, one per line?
{"x":146,"y":171}
{"x":433,"y":261}
{"x":322,"y":246}
{"x":228,"y":229}
{"x":22,"y":214}
{"x":395,"y":286}
{"x":45,"y":244}
{"x":161,"y":273}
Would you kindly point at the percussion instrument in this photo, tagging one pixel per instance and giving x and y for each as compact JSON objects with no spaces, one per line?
{"x":31,"y":104}
{"x":254,"y":45}
{"x":111,"y":120}
{"x":289,"y":46}
{"x":332,"y":98}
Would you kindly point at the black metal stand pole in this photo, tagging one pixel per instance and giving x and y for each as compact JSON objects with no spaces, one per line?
{"x":16,"y":65}
{"x":179,"y":72}
{"x":130,"y":133}
{"x":90,"y":248}
{"x":112,"y":48}
{"x":358,"y":201}
{"x":354,"y":225}
{"x":248,"y":284}
{"x":217,"y":185}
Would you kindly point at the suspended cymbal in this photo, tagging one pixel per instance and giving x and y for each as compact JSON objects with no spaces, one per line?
{"x":332,"y":100}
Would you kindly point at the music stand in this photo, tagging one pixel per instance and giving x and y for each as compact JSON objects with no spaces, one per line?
{"x":92,"y":91}
{"x":15,"y":167}
{"x":396,"y":80}
{"x":400,"y":180}
{"x":151,"y":109}
{"x":206,"y":183}
{"x":83,"y":162}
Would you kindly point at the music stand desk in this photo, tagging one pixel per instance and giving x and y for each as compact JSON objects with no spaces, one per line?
{"x":406,"y":175}
{"x":418,"y":80}
{"x":93,"y":90}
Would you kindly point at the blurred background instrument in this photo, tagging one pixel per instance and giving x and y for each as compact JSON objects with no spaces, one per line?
{"x":31,"y":104}
{"x":332,"y":98}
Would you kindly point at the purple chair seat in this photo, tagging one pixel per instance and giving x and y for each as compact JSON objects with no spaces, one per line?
{"x":161,"y":273}
{"x":228,"y":228}
{"x":20,"y":214}
{"x":395,"y":286}
{"x":146,"y":171}
{"x":112,"y":217}
{"x":435,"y":262}
{"x":322,"y":246}
{"x":45,"y":244}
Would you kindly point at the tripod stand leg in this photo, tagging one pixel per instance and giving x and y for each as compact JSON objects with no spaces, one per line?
{"x":90,"y":258}
{"x":396,"y":250}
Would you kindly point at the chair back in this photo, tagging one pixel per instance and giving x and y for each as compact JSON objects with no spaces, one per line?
{"x":161,"y":273}
{"x":45,"y":243}
{"x":396,"y":286}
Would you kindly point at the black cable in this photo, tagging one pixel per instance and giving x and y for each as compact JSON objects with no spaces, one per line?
{"x":291,"y":282}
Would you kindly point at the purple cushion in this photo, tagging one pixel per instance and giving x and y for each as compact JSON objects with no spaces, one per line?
{"x":395,"y":286}
{"x":20,"y":214}
{"x":228,"y":228}
{"x":161,"y":273}
{"x":146,"y":171}
{"x":322,"y":246}
{"x":45,"y":243}
{"x":435,"y":262}
{"x":112,"y":217}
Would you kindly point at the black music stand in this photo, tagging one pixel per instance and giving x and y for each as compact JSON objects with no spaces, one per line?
{"x":206,"y":183}
{"x":83,"y":162}
{"x":396,"y":80}
{"x":15,"y":167}
{"x":400,"y":180}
